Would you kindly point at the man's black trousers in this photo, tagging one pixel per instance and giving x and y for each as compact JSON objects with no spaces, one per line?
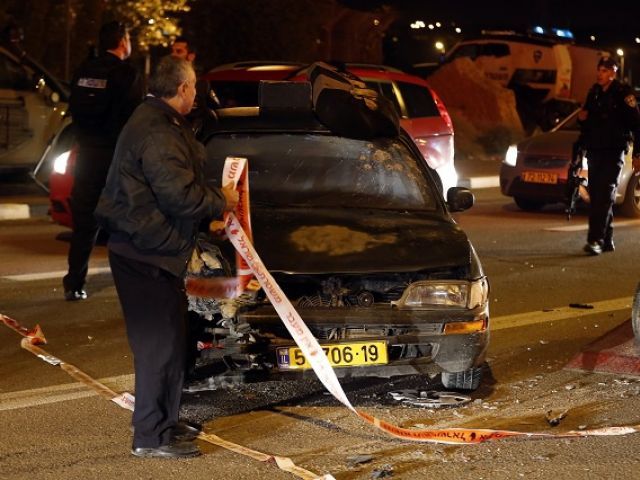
{"x":604,"y":175}
{"x":154,"y":305}
{"x":90,"y":174}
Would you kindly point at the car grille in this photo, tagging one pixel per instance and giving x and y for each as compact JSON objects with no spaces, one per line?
{"x":545,"y":161}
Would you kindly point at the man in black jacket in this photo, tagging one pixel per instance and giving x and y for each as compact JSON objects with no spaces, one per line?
{"x":609,"y":120}
{"x":104,"y":92}
{"x":154,"y":199}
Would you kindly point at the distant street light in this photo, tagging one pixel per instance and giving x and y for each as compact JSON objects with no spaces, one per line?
{"x":620,"y":54}
{"x":439,"y":46}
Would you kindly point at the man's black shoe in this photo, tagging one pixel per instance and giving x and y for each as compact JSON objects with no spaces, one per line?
{"x":73,"y":295}
{"x":593,"y":248}
{"x":184,"y":432}
{"x":608,"y":246}
{"x":173,"y":450}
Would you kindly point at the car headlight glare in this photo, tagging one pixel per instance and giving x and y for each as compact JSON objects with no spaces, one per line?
{"x":60,"y":163}
{"x":512,"y":155}
{"x":433,"y":294}
{"x":448,"y":176}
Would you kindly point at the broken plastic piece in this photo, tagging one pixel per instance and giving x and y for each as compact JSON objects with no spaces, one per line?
{"x":430,"y":398}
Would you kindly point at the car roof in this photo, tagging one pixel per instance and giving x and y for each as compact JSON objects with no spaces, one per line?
{"x":251,"y":71}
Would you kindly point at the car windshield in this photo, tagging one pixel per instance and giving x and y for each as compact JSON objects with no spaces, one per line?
{"x":319,"y":170}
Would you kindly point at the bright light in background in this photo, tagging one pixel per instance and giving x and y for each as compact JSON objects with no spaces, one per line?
{"x":538,"y":29}
{"x":620,"y":52}
{"x":593,"y":38}
{"x":637,"y":39}
{"x":418,"y":24}
{"x":438,"y":24}
{"x":511,"y":156}
{"x":439,"y":46}
{"x":376,"y":22}
{"x":448,"y":176}
{"x":458,"y":30}
{"x":431,"y":26}
{"x":151,"y":21}
{"x":563,"y":33}
{"x":60,"y":163}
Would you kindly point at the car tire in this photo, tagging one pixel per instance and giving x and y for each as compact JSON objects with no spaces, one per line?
{"x":466,"y":380}
{"x":631,"y":205}
{"x":635,"y":314}
{"x":529,"y":205}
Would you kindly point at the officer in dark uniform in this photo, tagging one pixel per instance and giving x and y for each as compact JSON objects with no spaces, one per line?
{"x":609,"y":120}
{"x":104,"y":92}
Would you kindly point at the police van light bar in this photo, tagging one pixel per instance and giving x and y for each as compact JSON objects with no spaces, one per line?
{"x":557,"y":32}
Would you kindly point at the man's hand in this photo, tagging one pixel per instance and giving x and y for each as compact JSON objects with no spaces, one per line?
{"x":635,"y":163}
{"x":231,"y":196}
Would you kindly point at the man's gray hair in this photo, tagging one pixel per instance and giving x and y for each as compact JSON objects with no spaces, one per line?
{"x":169,"y":74}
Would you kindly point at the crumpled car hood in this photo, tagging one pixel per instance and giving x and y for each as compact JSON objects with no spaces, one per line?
{"x":340,"y":240}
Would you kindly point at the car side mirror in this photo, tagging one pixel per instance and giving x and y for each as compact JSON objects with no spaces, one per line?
{"x":460,"y":199}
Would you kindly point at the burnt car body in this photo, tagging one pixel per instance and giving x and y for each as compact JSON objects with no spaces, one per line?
{"x":360,"y":239}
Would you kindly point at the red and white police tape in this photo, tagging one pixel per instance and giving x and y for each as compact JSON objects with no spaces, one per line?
{"x":127,"y":401}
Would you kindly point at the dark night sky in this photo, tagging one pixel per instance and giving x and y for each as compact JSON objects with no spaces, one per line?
{"x":613,"y":21}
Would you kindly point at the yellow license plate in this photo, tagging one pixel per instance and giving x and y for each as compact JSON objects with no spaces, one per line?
{"x":539,"y":177}
{"x":343,"y":355}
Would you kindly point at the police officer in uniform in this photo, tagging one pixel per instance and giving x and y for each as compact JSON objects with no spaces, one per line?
{"x":105,"y":90}
{"x":609,"y":120}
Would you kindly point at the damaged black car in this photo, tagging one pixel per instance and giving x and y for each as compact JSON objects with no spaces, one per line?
{"x":359,"y":237}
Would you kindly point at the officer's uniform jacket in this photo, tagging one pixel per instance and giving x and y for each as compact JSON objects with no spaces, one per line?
{"x":613,"y":118}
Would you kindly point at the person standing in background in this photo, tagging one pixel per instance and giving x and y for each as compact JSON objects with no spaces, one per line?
{"x":105,"y":90}
{"x":202,"y":115}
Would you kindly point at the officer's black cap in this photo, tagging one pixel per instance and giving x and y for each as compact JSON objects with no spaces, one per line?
{"x":608,"y":62}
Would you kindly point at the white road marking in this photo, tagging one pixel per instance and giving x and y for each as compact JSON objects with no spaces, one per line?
{"x":28,"y":277}
{"x":60,"y":393}
{"x":484,"y":182}
{"x":14,"y":211}
{"x":559,"y":313}
{"x":585,"y":226}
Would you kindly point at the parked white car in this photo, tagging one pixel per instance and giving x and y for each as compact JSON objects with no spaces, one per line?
{"x":32,"y":108}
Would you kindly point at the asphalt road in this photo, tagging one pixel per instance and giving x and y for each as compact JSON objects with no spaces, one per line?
{"x":53,"y":428}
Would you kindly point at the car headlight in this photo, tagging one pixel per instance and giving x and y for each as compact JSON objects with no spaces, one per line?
{"x":434,"y":294}
{"x":512,"y":155}
{"x":448,"y":176}
{"x":60,"y":163}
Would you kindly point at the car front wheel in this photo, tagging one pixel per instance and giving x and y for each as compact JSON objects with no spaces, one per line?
{"x":631,"y":205}
{"x":528,"y":205}
{"x":466,"y":380}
